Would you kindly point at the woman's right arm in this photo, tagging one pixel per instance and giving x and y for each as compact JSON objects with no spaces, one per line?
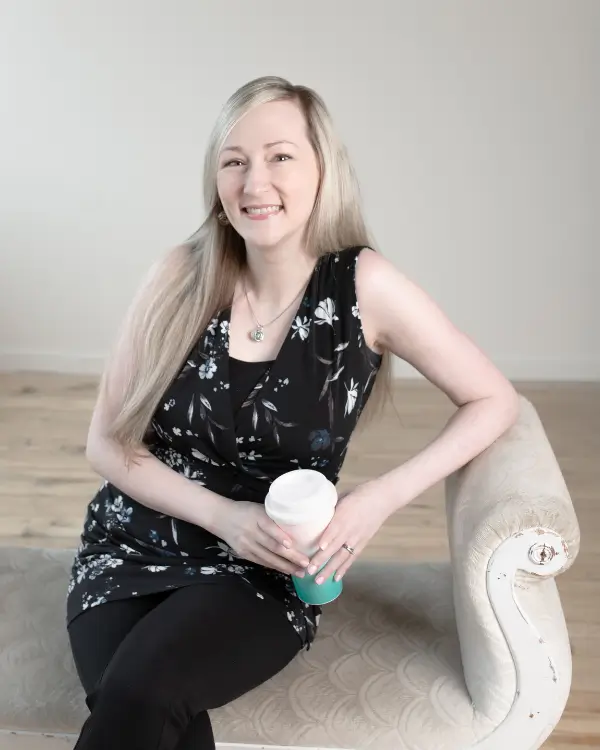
{"x":244,"y":526}
{"x":153,"y":483}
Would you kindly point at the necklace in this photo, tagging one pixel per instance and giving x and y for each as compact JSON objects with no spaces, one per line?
{"x":258,"y":333}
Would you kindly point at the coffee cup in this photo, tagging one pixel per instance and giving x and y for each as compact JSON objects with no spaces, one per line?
{"x":302,"y":503}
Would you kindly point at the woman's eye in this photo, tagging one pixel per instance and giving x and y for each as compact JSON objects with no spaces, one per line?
{"x":282,"y":157}
{"x":232,"y":163}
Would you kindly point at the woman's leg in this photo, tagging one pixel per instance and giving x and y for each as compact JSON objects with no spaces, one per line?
{"x":200,"y":648}
{"x":95,"y":636}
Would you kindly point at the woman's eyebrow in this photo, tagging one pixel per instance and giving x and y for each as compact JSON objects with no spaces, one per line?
{"x":267,"y":145}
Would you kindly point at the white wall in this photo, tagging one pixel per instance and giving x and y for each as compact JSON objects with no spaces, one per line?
{"x":473,"y":127}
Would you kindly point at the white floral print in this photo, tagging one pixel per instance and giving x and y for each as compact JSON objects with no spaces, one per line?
{"x":200,"y":456}
{"x":239,"y":569}
{"x":225,"y":551}
{"x":300,"y":327}
{"x":208,"y":369}
{"x":252,"y":456}
{"x":96,"y":566}
{"x":90,"y":601}
{"x":209,"y":570}
{"x":117,"y":507}
{"x":325,"y":312}
{"x":351,"y":396}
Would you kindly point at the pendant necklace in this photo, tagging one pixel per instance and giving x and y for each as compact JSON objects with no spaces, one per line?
{"x":257,"y":334}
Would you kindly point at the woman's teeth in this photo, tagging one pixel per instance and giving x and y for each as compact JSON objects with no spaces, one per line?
{"x":268,"y":210}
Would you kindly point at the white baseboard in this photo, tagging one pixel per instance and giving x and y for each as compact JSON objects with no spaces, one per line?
{"x":69,"y":364}
{"x":554,"y":370}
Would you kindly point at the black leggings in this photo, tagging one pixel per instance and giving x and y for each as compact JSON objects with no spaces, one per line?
{"x":152,"y":666}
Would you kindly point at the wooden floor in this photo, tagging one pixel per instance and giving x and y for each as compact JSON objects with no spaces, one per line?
{"x":45,"y":484}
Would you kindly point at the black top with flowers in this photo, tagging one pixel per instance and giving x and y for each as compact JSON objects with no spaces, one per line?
{"x":299,"y":412}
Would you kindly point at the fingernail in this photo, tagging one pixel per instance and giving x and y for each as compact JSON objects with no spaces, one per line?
{"x":312,"y":570}
{"x":286,"y":544}
{"x":300,"y":574}
{"x":338,"y":577}
{"x":324,"y":545}
{"x":319,"y":580}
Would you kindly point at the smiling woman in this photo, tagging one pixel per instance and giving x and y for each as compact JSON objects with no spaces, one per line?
{"x":251,"y":350}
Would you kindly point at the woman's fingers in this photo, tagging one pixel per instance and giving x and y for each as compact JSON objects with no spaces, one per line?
{"x":276,"y":540}
{"x":320,"y":558}
{"x":339,"y":563}
{"x":295,"y":558}
{"x":269,"y":527}
{"x":271,"y":560}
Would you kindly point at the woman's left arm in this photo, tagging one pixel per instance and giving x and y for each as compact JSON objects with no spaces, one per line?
{"x":398,"y":316}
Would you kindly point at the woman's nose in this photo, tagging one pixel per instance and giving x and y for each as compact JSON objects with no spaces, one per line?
{"x":257,"y":178}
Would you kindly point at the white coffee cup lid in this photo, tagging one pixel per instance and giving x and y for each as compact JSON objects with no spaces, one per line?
{"x":298,"y":496}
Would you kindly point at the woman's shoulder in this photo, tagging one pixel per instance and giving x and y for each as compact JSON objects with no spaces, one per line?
{"x":357,"y":262}
{"x":368,"y":272}
{"x":349,"y":255}
{"x":341,"y":263}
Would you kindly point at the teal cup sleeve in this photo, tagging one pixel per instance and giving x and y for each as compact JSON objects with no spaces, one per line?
{"x":312,"y":593}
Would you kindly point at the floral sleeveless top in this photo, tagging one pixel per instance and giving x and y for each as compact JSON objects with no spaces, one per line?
{"x":300,"y":413}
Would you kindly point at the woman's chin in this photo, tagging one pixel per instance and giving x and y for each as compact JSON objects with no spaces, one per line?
{"x":263,"y":237}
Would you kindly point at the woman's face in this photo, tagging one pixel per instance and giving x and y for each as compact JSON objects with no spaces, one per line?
{"x":268,"y":175}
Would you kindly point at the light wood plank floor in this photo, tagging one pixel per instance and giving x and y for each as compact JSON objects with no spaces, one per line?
{"x":45,"y":484}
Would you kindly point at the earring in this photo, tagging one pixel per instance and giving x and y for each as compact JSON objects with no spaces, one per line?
{"x":222,"y":218}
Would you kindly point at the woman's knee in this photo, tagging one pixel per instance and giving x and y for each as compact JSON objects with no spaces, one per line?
{"x":138,"y":689}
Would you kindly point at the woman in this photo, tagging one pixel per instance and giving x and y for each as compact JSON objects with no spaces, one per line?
{"x":250,"y":351}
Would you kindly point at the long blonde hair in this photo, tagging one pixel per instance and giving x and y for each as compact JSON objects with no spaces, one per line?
{"x":197,"y":278}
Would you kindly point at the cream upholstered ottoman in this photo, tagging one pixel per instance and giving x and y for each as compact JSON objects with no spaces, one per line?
{"x":469,"y":654}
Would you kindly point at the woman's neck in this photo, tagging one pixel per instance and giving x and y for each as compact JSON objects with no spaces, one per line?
{"x":274,"y":276}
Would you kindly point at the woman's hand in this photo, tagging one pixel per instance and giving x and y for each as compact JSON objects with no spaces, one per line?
{"x":358,"y":517}
{"x":252,"y":535}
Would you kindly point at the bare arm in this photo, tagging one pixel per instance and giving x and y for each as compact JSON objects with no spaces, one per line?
{"x":402,"y":318}
{"x":154,"y":484}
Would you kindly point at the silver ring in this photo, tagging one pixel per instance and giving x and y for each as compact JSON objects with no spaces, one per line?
{"x":349,"y":549}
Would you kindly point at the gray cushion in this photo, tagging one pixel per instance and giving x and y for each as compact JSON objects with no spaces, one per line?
{"x":384,"y":672}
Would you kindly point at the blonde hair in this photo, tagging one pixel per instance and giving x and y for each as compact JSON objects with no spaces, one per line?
{"x":197,"y":279}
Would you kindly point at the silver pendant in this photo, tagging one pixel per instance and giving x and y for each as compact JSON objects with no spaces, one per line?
{"x":257,"y":334}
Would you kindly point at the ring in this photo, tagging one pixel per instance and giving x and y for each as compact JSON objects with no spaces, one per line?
{"x":349,"y":549}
